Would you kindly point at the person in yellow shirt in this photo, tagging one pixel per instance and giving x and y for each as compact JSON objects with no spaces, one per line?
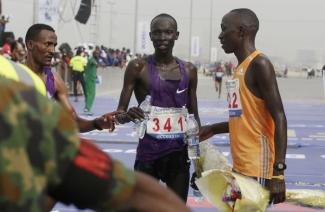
{"x":78,"y":64}
{"x":257,"y":123}
{"x":21,"y":73}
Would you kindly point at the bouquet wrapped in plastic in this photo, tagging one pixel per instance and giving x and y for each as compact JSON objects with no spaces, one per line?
{"x":226,"y":190}
{"x":229,"y":191}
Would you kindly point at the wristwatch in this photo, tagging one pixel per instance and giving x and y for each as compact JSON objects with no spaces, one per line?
{"x":279,"y":166}
{"x":96,"y":125}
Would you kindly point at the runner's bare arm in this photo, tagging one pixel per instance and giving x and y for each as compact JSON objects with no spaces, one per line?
{"x":268,"y":88}
{"x":84,"y":125}
{"x":264,"y":76}
{"x":208,"y":131}
{"x":149,"y":194}
{"x":192,"y":107}
{"x":131,"y":75}
{"x":61,"y":95}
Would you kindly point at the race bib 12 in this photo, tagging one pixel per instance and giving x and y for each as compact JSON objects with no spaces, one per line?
{"x":233,"y":98}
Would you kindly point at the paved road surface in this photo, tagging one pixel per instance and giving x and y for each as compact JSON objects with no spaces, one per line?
{"x":304,"y":105}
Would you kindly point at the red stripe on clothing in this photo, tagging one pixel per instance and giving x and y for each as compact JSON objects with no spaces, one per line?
{"x":93,"y":160}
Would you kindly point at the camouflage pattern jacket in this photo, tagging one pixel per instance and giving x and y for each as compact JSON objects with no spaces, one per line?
{"x":38,"y":143}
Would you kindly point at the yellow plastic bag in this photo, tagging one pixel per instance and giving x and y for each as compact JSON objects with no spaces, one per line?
{"x":212,"y":158}
{"x":305,"y":197}
{"x":214,"y":183}
{"x":216,"y":180}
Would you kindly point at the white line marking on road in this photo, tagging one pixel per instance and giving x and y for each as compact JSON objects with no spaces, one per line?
{"x":220,"y":137}
{"x":110,"y":134}
{"x":121,"y":126}
{"x":296,"y":156}
{"x":320,"y":139}
{"x":113,"y":150}
{"x":319,"y":126}
{"x":317,"y":136}
{"x":297,"y":125}
{"x":292,"y":139}
{"x":307,"y":139}
{"x":131,"y":151}
{"x":131,"y":134}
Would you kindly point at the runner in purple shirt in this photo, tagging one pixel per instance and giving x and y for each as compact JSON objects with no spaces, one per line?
{"x":172,"y":84}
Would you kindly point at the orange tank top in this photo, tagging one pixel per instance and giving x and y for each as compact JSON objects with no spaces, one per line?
{"x":251,"y":127}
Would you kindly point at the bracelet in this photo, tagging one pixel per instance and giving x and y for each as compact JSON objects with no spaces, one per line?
{"x":96,"y":125}
{"x":279,"y":177}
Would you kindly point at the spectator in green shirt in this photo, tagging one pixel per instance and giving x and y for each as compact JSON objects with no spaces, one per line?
{"x":90,"y":79}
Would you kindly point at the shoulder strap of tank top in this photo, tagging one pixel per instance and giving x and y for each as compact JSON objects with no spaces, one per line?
{"x":183,"y":84}
{"x":152,"y":72}
{"x":185,"y":78}
{"x":251,"y":57}
{"x":50,"y":85}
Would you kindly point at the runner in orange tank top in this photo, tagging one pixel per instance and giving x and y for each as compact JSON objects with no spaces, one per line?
{"x":257,"y":123}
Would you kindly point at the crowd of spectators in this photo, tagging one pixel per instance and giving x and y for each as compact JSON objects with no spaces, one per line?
{"x":15,"y":50}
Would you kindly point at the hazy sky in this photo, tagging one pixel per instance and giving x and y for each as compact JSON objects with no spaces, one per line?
{"x":288,"y":28}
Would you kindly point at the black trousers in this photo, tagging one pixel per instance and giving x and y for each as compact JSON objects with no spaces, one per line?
{"x":78,"y":76}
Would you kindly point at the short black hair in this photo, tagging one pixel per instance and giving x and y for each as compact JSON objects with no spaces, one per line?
{"x":164,"y":15}
{"x":13,"y":45}
{"x":79,"y":51}
{"x":248,"y":17}
{"x":35,"y":29}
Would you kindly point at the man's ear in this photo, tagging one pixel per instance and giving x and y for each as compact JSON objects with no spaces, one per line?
{"x":177,"y":34}
{"x":150,"y":36}
{"x":242,"y":31}
{"x":29,"y":44}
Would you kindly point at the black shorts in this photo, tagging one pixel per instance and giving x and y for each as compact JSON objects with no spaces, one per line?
{"x":173,"y":169}
{"x":218,"y":79}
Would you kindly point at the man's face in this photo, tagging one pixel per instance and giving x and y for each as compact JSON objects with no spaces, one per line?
{"x":43,"y":47}
{"x":230,"y":33}
{"x":96,"y":54}
{"x":163,"y":34}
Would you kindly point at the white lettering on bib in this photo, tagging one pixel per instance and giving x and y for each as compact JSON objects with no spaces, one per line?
{"x":233,"y":98}
{"x":167,"y":123}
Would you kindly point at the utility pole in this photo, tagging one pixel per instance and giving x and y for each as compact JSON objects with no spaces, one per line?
{"x":190,"y":33}
{"x":111,"y":11}
{"x":211,"y":27}
{"x":35,"y":11}
{"x":135,"y":27}
{"x":94,"y":25}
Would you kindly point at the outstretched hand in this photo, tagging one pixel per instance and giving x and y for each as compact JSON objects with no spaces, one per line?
{"x":106,"y":121}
